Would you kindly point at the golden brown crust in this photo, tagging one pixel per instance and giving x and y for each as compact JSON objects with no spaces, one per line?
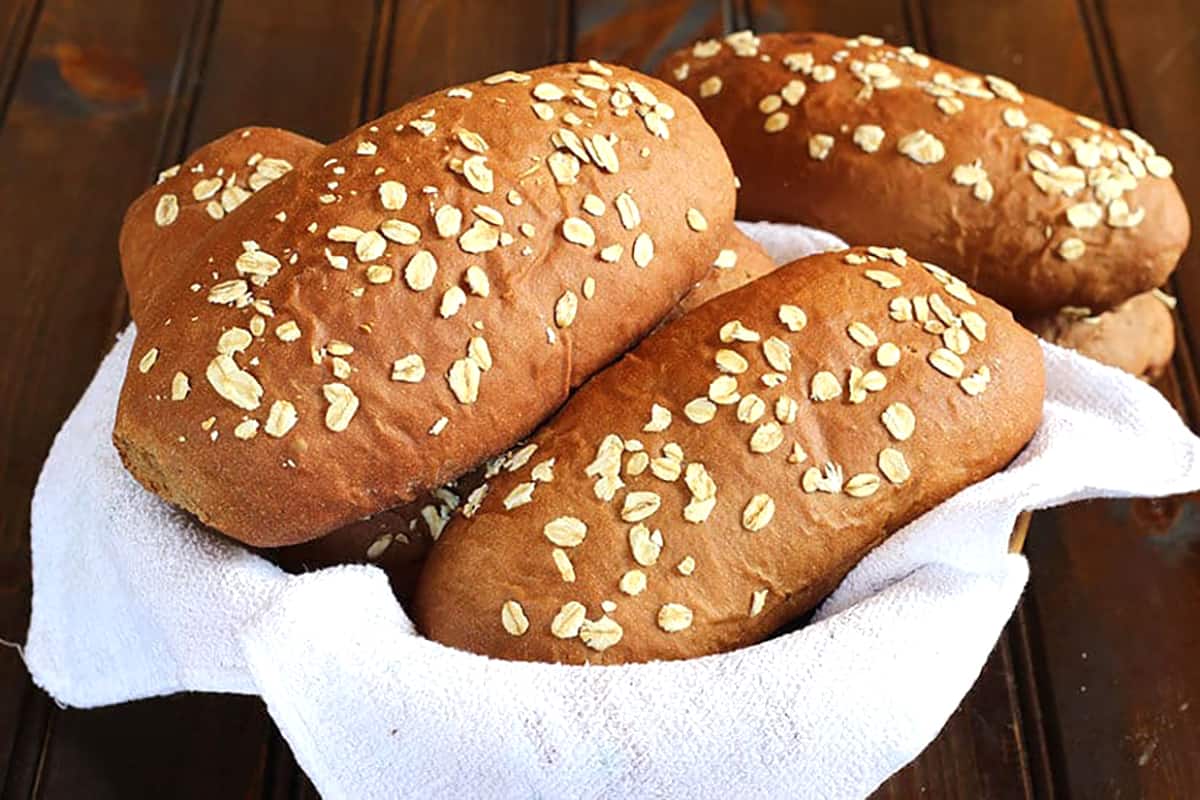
{"x":741,"y":261}
{"x":1003,"y":226}
{"x":398,"y":540}
{"x":825,"y":517}
{"x":244,"y":161}
{"x":341,"y":291}
{"x":1137,"y":336}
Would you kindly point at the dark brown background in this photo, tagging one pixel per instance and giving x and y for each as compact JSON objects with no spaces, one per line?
{"x":1092,"y":692}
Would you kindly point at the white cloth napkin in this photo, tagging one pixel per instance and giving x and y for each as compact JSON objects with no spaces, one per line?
{"x":132,"y":599}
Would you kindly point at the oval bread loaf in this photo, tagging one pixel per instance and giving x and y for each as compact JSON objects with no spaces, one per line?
{"x":741,"y":261}
{"x":721,"y":479}
{"x":1035,"y":206}
{"x":1137,"y":336}
{"x":397,"y":306}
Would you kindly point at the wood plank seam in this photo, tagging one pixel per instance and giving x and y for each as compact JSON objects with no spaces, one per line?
{"x":15,"y":49}
{"x":735,"y":15}
{"x":378,"y":62}
{"x":1004,"y":646}
{"x":917,"y":22}
{"x":1036,"y":749}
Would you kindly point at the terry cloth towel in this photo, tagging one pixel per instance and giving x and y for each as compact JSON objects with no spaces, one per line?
{"x":133,"y":599}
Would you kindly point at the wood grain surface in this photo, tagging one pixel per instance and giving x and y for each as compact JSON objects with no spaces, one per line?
{"x":1092,"y":692}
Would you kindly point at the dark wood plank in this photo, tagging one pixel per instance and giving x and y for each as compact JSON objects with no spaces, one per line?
{"x":640,"y":33}
{"x":886,"y":18}
{"x":16,"y":25}
{"x":1116,"y":609}
{"x":301,"y":66}
{"x":1114,"y":591}
{"x":438,"y":43}
{"x":80,"y":137}
{"x":1154,"y":60}
{"x":185,"y":746}
{"x":252,"y":75}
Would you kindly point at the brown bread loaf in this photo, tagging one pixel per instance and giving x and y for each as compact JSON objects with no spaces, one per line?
{"x":721,"y":479}
{"x":741,"y":261}
{"x":398,"y":539}
{"x":1137,"y":336}
{"x":1035,"y":206}
{"x":397,"y":306}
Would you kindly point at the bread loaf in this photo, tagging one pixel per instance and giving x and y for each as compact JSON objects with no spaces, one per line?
{"x":398,"y":539}
{"x":399,"y":305}
{"x":1137,"y":336}
{"x":741,"y":261}
{"x":721,"y":479}
{"x":1035,"y":206}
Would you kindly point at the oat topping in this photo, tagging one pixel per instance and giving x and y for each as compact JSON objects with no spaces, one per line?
{"x":674,"y":617}
{"x":645,"y":545}
{"x":166,"y":211}
{"x":568,"y":620}
{"x":148,"y":360}
{"x":520,"y":495}
{"x":758,"y":512}
{"x":758,"y":601}
{"x":565,"y":309}
{"x":1071,"y":248}
{"x":660,"y":419}
{"x":640,"y":505}
{"x":825,"y":386}
{"x":819,"y":146}
{"x":343,"y":404}
{"x":793,"y":317}
{"x":751,"y":409}
{"x":420,"y":271}
{"x":633,"y":582}
{"x":600,"y":634}
{"x":869,"y":137}
{"x":893,"y":465}
{"x":512,"y":617}
{"x":565,"y":531}
{"x":864,"y":484}
{"x":463,"y":379}
{"x":900,"y":421}
{"x":922,"y":147}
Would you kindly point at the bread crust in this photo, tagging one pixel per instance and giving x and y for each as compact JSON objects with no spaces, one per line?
{"x":967,"y":196}
{"x":397,"y":540}
{"x":1137,"y":336}
{"x":494,"y":585}
{"x":297,"y":303}
{"x":749,"y":262}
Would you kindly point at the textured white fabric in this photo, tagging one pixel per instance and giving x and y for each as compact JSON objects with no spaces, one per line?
{"x":132,"y":599}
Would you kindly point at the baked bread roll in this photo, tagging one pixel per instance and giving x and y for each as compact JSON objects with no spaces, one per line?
{"x":397,"y":306}
{"x":721,"y":479}
{"x":741,"y":261}
{"x":1035,"y":206}
{"x":398,"y":539}
{"x":1137,"y":336}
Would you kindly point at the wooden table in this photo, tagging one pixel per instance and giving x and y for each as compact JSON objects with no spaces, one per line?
{"x":1092,"y":692}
